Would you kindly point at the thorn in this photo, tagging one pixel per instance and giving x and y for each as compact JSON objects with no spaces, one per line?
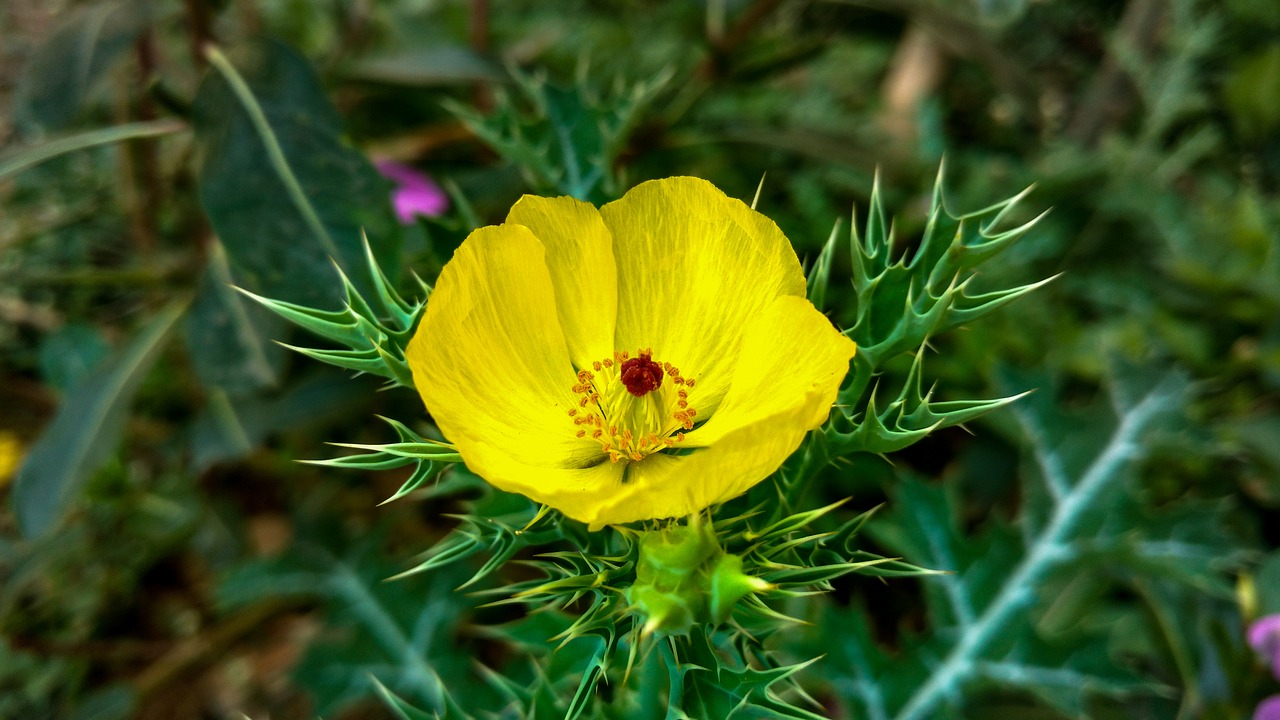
{"x":759,"y":188}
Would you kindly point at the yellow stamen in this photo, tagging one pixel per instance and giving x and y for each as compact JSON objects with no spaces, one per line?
{"x":636,"y":406}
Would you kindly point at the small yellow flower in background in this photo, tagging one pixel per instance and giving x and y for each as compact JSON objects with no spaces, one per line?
{"x":10,"y":456}
{"x":646,"y":359}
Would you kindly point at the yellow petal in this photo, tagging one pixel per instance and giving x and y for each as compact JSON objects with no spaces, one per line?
{"x":580,"y":260}
{"x":694,"y":266}
{"x":788,"y":352}
{"x":790,"y":369}
{"x":662,"y":486}
{"x":576,"y":492}
{"x":490,"y":361}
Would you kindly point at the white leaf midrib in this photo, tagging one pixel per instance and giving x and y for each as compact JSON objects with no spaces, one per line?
{"x":1045,"y":554}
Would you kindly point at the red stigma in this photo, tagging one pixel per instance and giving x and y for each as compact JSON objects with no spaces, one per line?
{"x":641,"y":374}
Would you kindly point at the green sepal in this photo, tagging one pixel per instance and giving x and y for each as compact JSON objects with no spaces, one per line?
{"x":728,"y":585}
{"x":684,"y":579}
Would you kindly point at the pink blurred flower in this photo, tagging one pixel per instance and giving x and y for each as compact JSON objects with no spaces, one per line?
{"x":1268,"y":709}
{"x":415,"y":194}
{"x":1264,"y":637}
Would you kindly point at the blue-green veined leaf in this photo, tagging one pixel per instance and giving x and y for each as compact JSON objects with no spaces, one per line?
{"x":230,"y":338}
{"x":85,"y":430}
{"x":285,"y":192}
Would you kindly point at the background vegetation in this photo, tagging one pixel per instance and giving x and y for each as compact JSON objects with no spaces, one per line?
{"x":163,"y":555}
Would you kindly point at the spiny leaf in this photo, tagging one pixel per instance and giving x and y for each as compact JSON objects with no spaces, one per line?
{"x":982,"y":631}
{"x":820,"y":274}
{"x":900,"y":304}
{"x":568,"y":140}
{"x":339,"y":326}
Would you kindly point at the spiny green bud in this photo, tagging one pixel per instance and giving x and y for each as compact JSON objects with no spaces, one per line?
{"x":684,"y":578}
{"x":728,"y":585}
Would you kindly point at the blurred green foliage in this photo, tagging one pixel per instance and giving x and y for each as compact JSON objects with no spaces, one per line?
{"x":1111,"y":534}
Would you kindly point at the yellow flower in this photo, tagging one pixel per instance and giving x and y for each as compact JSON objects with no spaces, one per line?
{"x":644,"y":360}
{"x":10,"y":456}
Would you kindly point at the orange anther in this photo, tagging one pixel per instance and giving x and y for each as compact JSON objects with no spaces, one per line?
{"x":582,"y":433}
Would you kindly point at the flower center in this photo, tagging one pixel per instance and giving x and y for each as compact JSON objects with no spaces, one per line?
{"x":641,"y":374}
{"x":624,"y":405}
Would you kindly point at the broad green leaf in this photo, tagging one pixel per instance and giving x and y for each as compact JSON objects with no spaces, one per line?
{"x":63,"y":73}
{"x":18,"y":160}
{"x":70,"y":353}
{"x":230,"y":337}
{"x":285,"y":191}
{"x":85,"y":430}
